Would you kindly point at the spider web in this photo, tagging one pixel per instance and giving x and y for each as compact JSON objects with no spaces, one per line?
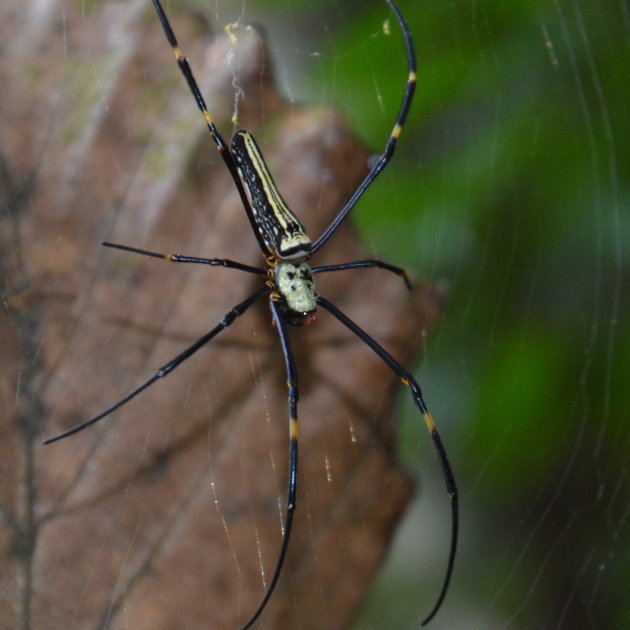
{"x":514,"y":176}
{"x":508,"y":192}
{"x":509,"y":187}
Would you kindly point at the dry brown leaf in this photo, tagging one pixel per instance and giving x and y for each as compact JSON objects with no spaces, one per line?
{"x":168,"y":514}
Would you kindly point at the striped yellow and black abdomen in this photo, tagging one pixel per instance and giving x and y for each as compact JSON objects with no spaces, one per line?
{"x":281,"y":230}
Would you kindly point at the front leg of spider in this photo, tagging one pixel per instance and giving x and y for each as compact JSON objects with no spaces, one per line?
{"x":278,"y":311}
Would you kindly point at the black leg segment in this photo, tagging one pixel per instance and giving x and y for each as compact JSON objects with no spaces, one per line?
{"x":447,"y":473}
{"x":167,"y":368}
{"x":292,"y":384}
{"x":179,"y":258}
{"x":362,"y":264}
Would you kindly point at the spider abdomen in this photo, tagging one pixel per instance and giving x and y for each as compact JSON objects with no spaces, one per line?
{"x":281,"y":230}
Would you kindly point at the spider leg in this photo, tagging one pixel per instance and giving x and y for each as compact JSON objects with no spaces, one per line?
{"x":447,"y":473}
{"x":224,"y":150}
{"x":292,"y":384}
{"x":360,"y":264}
{"x":390,"y":147}
{"x":179,"y":258}
{"x":228,"y":318}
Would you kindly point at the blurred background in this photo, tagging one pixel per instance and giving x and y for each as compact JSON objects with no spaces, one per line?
{"x":509,"y":191}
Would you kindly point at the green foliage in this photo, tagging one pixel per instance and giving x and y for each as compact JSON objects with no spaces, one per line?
{"x":511,"y":182}
{"x":510,"y":185}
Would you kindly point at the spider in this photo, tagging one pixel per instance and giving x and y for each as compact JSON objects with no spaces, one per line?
{"x":287,"y":281}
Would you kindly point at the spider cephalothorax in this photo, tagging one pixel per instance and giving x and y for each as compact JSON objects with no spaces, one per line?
{"x":296,"y":287}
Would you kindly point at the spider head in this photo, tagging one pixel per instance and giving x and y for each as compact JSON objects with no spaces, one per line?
{"x":296,"y":287}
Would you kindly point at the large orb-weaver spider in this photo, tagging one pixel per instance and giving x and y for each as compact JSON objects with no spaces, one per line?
{"x":288,"y":283}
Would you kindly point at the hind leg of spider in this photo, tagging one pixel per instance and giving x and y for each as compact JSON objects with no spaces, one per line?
{"x":362,"y":264}
{"x":179,"y":258}
{"x":392,"y":141}
{"x":293,"y":394}
{"x":167,"y":368}
{"x":447,"y":473}
{"x":223,"y":148}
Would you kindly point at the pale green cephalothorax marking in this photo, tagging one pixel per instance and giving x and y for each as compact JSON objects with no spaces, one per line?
{"x":295,"y":284}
